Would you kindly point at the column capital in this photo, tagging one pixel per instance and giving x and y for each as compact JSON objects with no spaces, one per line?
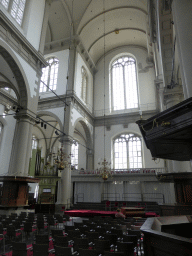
{"x":25,"y":115}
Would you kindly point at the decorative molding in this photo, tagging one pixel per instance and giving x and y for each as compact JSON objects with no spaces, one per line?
{"x":54,"y":102}
{"x":123,"y":119}
{"x":20,"y":44}
{"x":75,"y":41}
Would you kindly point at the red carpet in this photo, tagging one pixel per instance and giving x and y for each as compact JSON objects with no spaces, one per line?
{"x":91,"y":213}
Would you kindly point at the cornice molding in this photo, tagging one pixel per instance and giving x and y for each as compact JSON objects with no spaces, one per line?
{"x":123,"y":119}
{"x":20,"y":44}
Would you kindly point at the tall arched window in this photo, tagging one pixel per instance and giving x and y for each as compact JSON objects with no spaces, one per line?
{"x":74,"y":153}
{"x":127,"y":152}
{"x":34,"y":142}
{"x":49,"y":76}
{"x":16,"y":8}
{"x":84,"y":83}
{"x":124,"y":83}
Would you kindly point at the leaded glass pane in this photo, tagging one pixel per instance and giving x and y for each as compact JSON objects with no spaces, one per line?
{"x":74,"y":152}
{"x":127,"y":152}
{"x":124,"y":83}
{"x":49,"y":75}
{"x":17,"y":10}
{"x":5,"y":3}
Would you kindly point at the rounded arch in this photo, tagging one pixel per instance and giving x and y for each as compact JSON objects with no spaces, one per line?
{"x":123,"y":80}
{"x":87,"y":132}
{"x":116,"y":135}
{"x":48,"y":113}
{"x":119,"y":55}
{"x":127,"y":150}
{"x":19,"y":74}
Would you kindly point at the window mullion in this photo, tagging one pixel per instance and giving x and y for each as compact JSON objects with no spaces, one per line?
{"x":127,"y":145}
{"x":10,"y":6}
{"x":124,"y":84}
{"x":48,"y":80}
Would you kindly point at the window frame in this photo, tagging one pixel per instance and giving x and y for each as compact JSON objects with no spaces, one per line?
{"x":49,"y":67}
{"x":131,"y":135}
{"x":10,"y":9}
{"x":34,"y":138}
{"x":125,"y":88}
{"x":73,"y":163}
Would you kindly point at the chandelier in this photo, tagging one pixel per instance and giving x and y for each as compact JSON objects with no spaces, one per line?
{"x":61,"y":159}
{"x":105,"y":169}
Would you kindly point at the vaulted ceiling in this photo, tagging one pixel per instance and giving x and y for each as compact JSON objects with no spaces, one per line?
{"x":126,"y":23}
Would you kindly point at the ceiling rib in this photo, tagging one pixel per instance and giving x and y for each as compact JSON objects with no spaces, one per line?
{"x":110,"y":10}
{"x":113,"y":31}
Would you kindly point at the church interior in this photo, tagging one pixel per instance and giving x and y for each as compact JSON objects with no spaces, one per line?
{"x":96,"y":114}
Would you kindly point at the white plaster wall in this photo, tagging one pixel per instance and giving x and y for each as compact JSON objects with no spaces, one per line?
{"x":32,"y":22}
{"x":115,"y":130}
{"x":78,"y":79}
{"x":146,"y":88}
{"x":6,"y":140}
{"x":62,"y":73}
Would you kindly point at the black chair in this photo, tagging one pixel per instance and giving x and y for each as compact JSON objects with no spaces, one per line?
{"x":126,"y":247}
{"x":40,"y":249}
{"x":81,"y":243}
{"x":56,"y":232}
{"x":62,"y":251}
{"x":131,"y":238}
{"x":114,"y":254}
{"x":101,"y":246}
{"x":87,"y":252}
{"x":111,"y":237}
{"x":42,"y":239}
{"x":61,"y":241}
{"x":20,"y":249}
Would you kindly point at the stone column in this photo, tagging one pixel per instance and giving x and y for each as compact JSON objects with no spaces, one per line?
{"x":89,"y":159}
{"x":183,"y":22}
{"x":21,"y":148}
{"x":64,"y":185}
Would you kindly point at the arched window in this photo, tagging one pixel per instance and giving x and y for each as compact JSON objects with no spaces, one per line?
{"x":124,"y":83}
{"x":34,"y":142}
{"x":84,"y":83}
{"x":49,"y":76}
{"x":74,"y":153}
{"x":16,"y":9}
{"x":127,"y":152}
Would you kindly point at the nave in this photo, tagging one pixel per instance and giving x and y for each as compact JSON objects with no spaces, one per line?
{"x":30,"y":234}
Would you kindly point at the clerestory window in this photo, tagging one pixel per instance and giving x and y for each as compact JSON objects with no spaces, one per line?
{"x":15,"y":8}
{"x":124,"y":83}
{"x":84,"y":83}
{"x":34,"y":142}
{"x":127,"y":152}
{"x":49,"y":76}
{"x":74,"y":154}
